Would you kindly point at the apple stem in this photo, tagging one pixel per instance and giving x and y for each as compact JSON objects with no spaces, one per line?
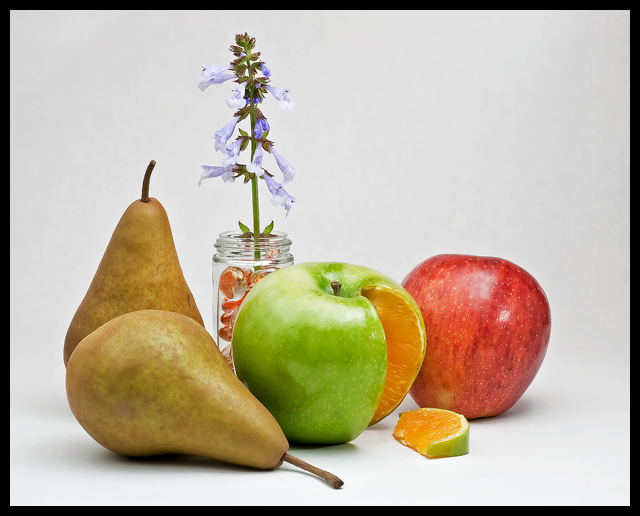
{"x":336,"y":286}
{"x":146,"y":181}
{"x":330,"y":478}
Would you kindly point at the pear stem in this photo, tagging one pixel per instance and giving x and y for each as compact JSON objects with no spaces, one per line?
{"x":146,"y":181}
{"x":330,"y":478}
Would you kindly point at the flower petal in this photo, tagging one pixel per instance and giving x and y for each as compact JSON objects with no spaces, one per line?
{"x":280,"y":197}
{"x":232,"y":150}
{"x":214,"y":75}
{"x":237,"y":99}
{"x":222,"y":135}
{"x":256,"y":164}
{"x":282,"y":95}
{"x":287,"y":170}
{"x":225,"y":172}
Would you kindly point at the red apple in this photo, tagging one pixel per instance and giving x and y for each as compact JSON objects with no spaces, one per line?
{"x":488,"y":325}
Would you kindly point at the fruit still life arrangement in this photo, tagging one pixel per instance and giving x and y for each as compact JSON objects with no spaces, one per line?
{"x":318,"y":351}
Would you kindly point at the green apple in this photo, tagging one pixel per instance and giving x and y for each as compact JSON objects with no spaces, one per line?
{"x":312,"y":349}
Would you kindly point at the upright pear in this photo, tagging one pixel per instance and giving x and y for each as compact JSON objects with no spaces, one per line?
{"x":153,"y":382}
{"x":139,"y":270}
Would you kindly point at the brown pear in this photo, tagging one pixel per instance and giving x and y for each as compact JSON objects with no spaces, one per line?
{"x":153,"y":382}
{"x":139,"y":270}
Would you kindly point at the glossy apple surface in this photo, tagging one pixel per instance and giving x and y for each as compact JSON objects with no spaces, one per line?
{"x":488,"y":325}
{"x":314,"y":358}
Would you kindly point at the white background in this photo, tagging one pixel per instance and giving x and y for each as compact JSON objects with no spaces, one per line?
{"x":503,"y":133}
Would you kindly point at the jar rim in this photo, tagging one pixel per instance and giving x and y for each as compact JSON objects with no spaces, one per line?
{"x":235,"y":235}
{"x":235,"y":240}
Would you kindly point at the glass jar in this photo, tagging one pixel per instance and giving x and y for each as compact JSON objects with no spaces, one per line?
{"x":239,"y":263}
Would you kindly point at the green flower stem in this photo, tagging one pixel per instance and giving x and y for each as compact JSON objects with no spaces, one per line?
{"x":256,"y":216}
{"x":254,"y":180}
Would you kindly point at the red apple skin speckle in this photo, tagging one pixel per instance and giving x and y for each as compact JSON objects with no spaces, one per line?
{"x":488,"y":326}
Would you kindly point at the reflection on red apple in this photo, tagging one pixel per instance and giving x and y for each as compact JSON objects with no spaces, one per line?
{"x":488,"y":324}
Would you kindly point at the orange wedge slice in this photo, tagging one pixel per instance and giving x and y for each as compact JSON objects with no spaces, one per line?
{"x":406,"y":344}
{"x":433,"y":432}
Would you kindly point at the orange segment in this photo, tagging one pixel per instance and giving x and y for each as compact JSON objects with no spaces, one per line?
{"x":406,"y":344}
{"x":433,"y":432}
